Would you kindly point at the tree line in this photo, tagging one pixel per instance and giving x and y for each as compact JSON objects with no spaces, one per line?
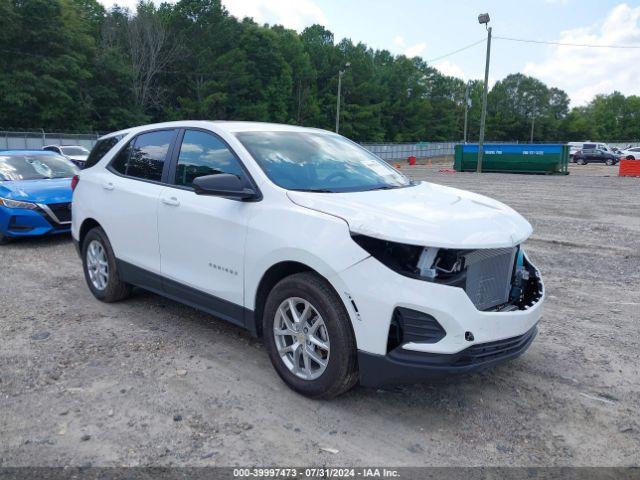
{"x":71,"y":65}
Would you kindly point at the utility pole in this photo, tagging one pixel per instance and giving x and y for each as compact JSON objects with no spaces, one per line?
{"x":467,"y":104}
{"x":533,"y":119}
{"x":340,"y":74}
{"x":484,"y":19}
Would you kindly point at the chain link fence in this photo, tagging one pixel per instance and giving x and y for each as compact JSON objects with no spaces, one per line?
{"x":401,"y":151}
{"x":36,"y":140}
{"x":391,"y":152}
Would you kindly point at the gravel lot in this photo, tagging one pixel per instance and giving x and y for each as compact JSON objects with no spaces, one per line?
{"x":152,"y":382}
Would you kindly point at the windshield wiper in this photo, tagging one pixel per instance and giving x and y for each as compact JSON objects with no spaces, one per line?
{"x":393,"y":187}
{"x":313,"y":190}
{"x":383,"y":187}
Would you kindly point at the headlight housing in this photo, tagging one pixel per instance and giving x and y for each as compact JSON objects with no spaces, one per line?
{"x":7,"y":202}
{"x":439,"y":265}
{"x":495,"y":279}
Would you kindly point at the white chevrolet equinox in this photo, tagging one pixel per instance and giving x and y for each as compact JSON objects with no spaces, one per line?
{"x":349,"y":270}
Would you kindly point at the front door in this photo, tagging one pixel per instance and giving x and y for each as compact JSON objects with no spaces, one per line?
{"x":202,"y":238}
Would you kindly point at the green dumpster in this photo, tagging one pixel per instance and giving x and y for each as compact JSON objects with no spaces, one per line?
{"x":514,"y":158}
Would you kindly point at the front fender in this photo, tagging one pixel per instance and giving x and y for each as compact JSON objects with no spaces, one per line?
{"x":295,"y":234}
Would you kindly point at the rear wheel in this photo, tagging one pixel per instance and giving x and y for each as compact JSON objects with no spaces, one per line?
{"x":100,"y":268}
{"x":581,"y":161}
{"x":308,"y":335}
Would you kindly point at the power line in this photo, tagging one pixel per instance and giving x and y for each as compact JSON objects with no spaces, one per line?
{"x":523,"y":40}
{"x":457,"y":51}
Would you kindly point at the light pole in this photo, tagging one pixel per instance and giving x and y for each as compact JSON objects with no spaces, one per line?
{"x":533,"y":119}
{"x":483,"y":19}
{"x":467,"y":105}
{"x":340,"y":74}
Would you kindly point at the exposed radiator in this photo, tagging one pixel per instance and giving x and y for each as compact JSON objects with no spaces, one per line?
{"x":489,"y":274}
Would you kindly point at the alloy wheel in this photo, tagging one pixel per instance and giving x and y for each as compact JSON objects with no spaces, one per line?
{"x":302,"y":338}
{"x":97,"y":265}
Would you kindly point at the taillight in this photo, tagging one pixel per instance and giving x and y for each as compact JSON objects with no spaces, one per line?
{"x":74,"y":182}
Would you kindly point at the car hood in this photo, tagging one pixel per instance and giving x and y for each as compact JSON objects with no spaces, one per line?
{"x":54,"y":190}
{"x":425,"y":214}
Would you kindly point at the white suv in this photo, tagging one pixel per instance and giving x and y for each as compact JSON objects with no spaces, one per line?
{"x":349,"y":270}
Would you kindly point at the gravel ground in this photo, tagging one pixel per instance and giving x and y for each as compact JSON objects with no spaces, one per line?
{"x":152,"y":382}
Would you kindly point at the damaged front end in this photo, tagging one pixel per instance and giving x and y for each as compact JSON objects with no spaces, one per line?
{"x":495,"y":280}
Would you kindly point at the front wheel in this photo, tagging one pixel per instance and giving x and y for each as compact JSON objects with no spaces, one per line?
{"x":100,"y":268}
{"x":308,"y":336}
{"x":609,"y":161}
{"x":4,"y":239}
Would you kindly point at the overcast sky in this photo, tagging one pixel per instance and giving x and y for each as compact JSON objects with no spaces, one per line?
{"x":431,"y":28}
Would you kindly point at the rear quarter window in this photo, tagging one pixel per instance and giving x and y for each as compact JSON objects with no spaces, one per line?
{"x":144,"y":156}
{"x":100,"y":149}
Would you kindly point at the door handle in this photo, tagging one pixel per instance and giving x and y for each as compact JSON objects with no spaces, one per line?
{"x":172,"y":201}
{"x":108,"y":186}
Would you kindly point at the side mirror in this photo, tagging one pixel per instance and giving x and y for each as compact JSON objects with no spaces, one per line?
{"x":223,"y":185}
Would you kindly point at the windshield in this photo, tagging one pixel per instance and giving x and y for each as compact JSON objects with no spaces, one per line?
{"x":74,"y":150}
{"x":35,"y":167}
{"x":323,"y":162}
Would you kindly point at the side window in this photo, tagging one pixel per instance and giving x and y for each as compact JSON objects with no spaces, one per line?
{"x":119,"y":163}
{"x":148,"y":155}
{"x":203,"y":154}
{"x":100,"y":149}
{"x":144,"y":156}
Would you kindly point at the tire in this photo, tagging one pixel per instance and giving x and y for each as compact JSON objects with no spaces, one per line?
{"x":341,"y":371}
{"x":114,"y":289}
{"x":610,"y":161}
{"x":4,"y":239}
{"x":581,"y":161}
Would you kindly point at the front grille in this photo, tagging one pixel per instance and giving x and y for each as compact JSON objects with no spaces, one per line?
{"x":484,"y":352}
{"x":489,"y":273}
{"x":61,"y":210}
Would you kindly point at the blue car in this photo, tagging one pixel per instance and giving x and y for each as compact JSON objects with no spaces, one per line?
{"x":35,"y":193}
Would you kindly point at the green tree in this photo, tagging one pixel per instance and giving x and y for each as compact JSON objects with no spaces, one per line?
{"x":47,"y":46}
{"x":71,"y":65}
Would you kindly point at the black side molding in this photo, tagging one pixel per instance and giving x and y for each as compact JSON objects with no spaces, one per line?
{"x":76,"y":244}
{"x":218,"y":307}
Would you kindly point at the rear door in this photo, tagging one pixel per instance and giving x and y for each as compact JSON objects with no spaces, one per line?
{"x":202,"y":237}
{"x":589,"y":154}
{"x":128,"y":196}
{"x":599,"y":155}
